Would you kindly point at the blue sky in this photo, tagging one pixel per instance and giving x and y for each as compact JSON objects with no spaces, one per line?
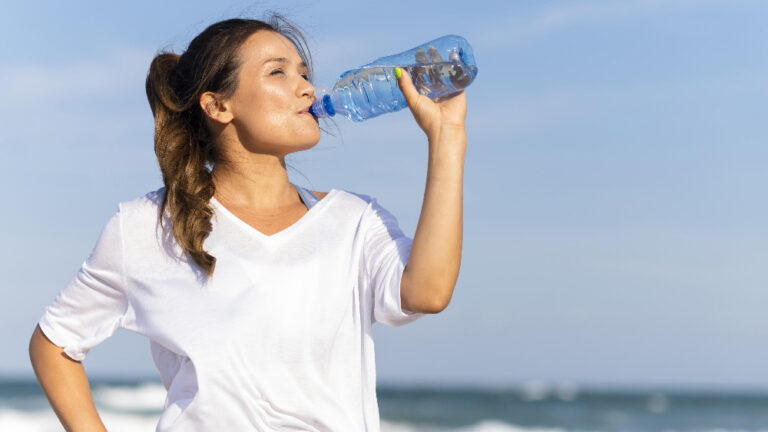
{"x":615,"y":220}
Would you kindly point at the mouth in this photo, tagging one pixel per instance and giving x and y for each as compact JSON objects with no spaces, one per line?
{"x":306,"y":111}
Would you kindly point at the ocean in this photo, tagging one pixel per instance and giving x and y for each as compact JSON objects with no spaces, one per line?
{"x":135,"y":405}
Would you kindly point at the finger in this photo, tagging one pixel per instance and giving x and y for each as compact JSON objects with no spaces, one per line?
{"x":434,"y":73}
{"x":406,"y":86}
{"x":458,"y":78}
{"x":456,"y":74}
{"x":420,"y":73}
{"x":421,"y":56}
{"x":434,"y":55}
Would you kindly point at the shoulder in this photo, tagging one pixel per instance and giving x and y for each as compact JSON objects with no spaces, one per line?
{"x":146,"y":206}
{"x":367,"y":207}
{"x":349,"y":198}
{"x":345,"y":204}
{"x":150,"y":200}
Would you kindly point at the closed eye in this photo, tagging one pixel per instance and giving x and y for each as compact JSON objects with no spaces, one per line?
{"x":280,"y":71}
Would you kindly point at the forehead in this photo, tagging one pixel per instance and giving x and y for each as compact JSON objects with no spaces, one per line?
{"x":265,"y":45}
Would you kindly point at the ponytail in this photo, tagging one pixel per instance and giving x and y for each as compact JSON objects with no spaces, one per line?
{"x":182,"y":157}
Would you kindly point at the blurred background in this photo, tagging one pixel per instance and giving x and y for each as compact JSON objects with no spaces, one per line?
{"x":615,"y":243}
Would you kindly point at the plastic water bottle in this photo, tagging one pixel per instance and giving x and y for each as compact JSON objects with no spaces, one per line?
{"x":438,"y":68}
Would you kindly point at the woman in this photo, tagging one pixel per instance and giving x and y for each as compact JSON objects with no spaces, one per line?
{"x":257,"y":295}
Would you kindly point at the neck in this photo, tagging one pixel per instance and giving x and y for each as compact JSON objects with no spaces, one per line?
{"x":259,"y":182}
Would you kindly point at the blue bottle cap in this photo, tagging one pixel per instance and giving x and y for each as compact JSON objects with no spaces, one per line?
{"x":322,"y":107}
{"x":328,"y":106}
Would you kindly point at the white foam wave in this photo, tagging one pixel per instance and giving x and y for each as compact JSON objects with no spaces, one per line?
{"x":497,"y":426}
{"x":147,"y":396}
{"x":532,"y":391}
{"x":46,"y":421}
{"x":484,"y":426}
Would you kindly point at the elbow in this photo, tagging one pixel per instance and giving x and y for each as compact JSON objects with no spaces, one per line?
{"x":429,"y":296}
{"x":439,"y":299}
{"x":427,"y":309}
{"x":440,"y":295}
{"x":439,"y":306}
{"x":426,"y":301}
{"x":434,"y":309}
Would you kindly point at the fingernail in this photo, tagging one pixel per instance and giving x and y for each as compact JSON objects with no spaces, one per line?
{"x":398,"y":72}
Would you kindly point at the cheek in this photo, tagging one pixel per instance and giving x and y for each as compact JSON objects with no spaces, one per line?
{"x":280,"y":127}
{"x":267,"y":110}
{"x":258,"y":114}
{"x":257,"y":100}
{"x":265,"y":117}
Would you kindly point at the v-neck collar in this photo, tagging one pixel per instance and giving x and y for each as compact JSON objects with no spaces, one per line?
{"x":285,"y":231}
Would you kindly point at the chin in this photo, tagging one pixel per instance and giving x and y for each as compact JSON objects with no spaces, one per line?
{"x":310,"y":145}
{"x":305,"y":144}
{"x":313,"y":138}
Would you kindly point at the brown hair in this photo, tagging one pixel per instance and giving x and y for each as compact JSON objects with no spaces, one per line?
{"x":183,"y":144}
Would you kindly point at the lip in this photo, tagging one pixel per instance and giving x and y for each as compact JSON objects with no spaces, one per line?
{"x":306,"y":109}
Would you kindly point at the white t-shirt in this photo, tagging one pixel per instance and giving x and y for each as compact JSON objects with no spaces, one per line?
{"x":280,"y":337}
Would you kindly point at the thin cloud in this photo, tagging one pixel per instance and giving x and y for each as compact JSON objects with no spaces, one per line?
{"x":538,"y":109}
{"x":69,"y":100}
{"x":118,"y":72}
{"x":521,"y":29}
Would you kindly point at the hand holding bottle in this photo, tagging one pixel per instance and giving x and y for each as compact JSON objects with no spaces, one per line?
{"x":430,"y":115}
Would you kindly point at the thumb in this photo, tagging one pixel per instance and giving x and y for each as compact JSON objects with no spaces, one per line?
{"x":406,"y":86}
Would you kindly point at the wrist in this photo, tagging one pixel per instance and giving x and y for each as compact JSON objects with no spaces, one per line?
{"x":449,"y":133}
{"x":453,"y":126}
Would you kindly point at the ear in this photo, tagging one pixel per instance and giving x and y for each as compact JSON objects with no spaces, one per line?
{"x":216,"y":109}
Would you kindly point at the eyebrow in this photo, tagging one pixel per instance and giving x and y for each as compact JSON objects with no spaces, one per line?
{"x":283,"y":60}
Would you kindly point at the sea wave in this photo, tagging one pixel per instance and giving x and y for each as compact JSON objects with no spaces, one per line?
{"x":145,"y":397}
{"x":135,"y":406}
{"x":484,"y":426}
{"x":46,"y":421}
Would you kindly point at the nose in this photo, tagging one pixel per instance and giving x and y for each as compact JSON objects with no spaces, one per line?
{"x":306,"y":89}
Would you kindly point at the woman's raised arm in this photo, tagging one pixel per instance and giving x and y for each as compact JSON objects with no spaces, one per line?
{"x":433,"y":265}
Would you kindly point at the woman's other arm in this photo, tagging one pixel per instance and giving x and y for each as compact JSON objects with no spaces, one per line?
{"x":65,"y":384}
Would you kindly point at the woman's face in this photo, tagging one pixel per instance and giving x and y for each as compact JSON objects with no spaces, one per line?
{"x":269,"y":106}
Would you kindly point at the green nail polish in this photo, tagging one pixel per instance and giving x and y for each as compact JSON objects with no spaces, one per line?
{"x":398,"y":72}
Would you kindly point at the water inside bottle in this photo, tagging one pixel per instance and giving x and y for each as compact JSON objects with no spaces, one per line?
{"x":434,"y":80}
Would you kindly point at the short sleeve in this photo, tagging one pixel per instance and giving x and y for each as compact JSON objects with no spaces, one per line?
{"x":91,"y":307}
{"x":386,"y":252}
